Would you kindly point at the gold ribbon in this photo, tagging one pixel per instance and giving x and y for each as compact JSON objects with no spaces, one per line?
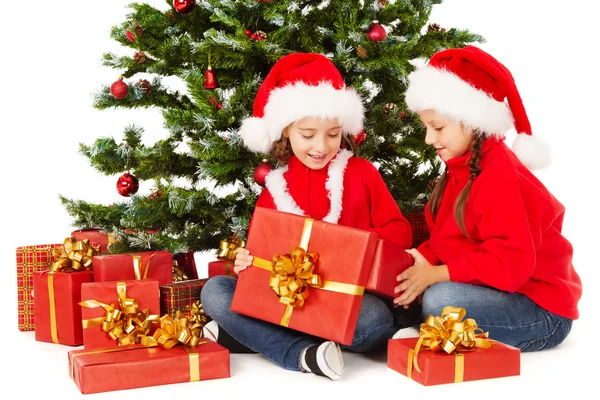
{"x":449,"y":333}
{"x":53,"y":329}
{"x":74,"y":256}
{"x":178,"y":274}
{"x":127,"y":323}
{"x":141,"y":270}
{"x":292,"y":275}
{"x":228,"y":247}
{"x":178,"y":330}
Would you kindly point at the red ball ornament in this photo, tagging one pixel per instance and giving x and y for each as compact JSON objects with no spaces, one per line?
{"x":253,"y":36}
{"x":219,"y":106}
{"x":402,"y":114}
{"x":248,"y":32}
{"x":119,"y":89}
{"x":130,"y":36}
{"x":184,"y":6}
{"x":376,"y":32}
{"x":261,"y":172}
{"x":360,"y":137}
{"x":127,"y":184}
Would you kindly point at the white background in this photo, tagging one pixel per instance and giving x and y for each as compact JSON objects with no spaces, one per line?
{"x":50,"y":68}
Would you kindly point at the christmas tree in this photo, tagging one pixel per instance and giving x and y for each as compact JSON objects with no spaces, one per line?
{"x":205,"y":180}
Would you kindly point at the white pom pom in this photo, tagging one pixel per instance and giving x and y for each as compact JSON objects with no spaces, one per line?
{"x":255,"y":134}
{"x":532,"y":152}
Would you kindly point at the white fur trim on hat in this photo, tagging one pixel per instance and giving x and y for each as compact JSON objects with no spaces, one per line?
{"x":277,"y":185}
{"x":291,"y":103}
{"x":439,"y":90}
{"x":532,"y":152}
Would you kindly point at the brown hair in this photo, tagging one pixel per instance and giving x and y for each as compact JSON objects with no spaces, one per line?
{"x":461,"y":201}
{"x":281,"y":150}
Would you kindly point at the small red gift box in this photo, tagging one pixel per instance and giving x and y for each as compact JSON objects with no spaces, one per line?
{"x":148,"y":264}
{"x":497,"y":361}
{"x":342,"y":264}
{"x":216,"y":268}
{"x":133,"y":367}
{"x":94,"y":235}
{"x":389,"y":261}
{"x":180,"y":296}
{"x":57,"y":312}
{"x":31,"y":259}
{"x":186,"y":263}
{"x":114,"y":295}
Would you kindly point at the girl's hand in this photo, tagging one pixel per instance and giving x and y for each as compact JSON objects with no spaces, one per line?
{"x":414,"y":280}
{"x":243,"y":260}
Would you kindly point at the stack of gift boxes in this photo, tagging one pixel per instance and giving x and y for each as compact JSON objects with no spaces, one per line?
{"x":128,"y":308}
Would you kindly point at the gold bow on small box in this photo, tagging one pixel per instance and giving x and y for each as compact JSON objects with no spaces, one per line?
{"x":179,"y":274}
{"x":449,"y":333}
{"x":182,"y":329}
{"x":74,"y":256}
{"x":228,"y":247}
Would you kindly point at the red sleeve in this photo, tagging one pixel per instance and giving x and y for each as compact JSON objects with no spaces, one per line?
{"x":509,"y":230}
{"x":425,"y":248}
{"x":265,"y":200}
{"x":386,"y":219}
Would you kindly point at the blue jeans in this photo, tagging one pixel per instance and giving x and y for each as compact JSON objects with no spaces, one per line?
{"x":510,"y":318}
{"x":282,"y":345}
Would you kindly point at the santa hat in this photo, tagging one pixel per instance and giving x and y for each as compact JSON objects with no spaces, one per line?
{"x":470,"y":86}
{"x":300,"y":85}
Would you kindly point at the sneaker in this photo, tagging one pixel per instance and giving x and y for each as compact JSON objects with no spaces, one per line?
{"x":324,"y":360}
{"x":410,"y":332}
{"x":213,"y":332}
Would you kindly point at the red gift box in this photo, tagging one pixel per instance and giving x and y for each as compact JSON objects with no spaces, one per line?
{"x":145,"y":292}
{"x":180,"y":296}
{"x":497,"y":361}
{"x":133,"y":367}
{"x":148,"y":264}
{"x":57,"y":310}
{"x":216,"y":268}
{"x":343,"y":263}
{"x":94,"y":235}
{"x":389,"y":261}
{"x":31,"y":259}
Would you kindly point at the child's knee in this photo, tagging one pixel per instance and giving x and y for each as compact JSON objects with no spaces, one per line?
{"x":216,"y":295}
{"x":438,"y":296}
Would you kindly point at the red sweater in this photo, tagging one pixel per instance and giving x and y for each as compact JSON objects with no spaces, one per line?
{"x":516,"y":228}
{"x":366,"y":202}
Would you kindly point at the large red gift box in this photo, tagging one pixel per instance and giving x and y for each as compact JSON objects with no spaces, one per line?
{"x":94,"y":235}
{"x":131,"y":367}
{"x":222,"y":267}
{"x":343,"y":263}
{"x":497,"y":361}
{"x":57,"y":309}
{"x":149,"y":264}
{"x":145,"y":292}
{"x":389,"y":261}
{"x":31,"y":259}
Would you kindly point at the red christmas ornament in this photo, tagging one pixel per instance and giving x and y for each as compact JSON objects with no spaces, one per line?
{"x":219,"y":106}
{"x":360,"y":137}
{"x":184,"y":6}
{"x":376,"y":32}
{"x":248,"y":32}
{"x":134,"y":36}
{"x":130,"y":36}
{"x":402,"y":114}
{"x":261,"y":172}
{"x":119,"y":89}
{"x":253,"y":36}
{"x":127,"y":184}
{"x":210,"y":79}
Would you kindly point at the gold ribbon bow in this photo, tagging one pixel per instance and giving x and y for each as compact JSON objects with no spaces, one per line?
{"x":180,"y":329}
{"x":127,"y":323}
{"x":448,"y":332}
{"x":178,"y":274}
{"x":228,"y":247}
{"x":74,"y":256}
{"x":292,"y":275}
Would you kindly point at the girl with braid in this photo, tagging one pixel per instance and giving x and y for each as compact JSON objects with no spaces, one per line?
{"x":496,"y":247}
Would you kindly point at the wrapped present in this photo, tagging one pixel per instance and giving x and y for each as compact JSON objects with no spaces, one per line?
{"x":156,"y":265}
{"x":132,"y":367}
{"x":216,"y":268}
{"x":31,"y":259}
{"x":181,"y":296}
{"x":184,"y":266}
{"x":450,"y":350}
{"x":306,"y":275}
{"x":389,"y":261}
{"x":57,"y":310}
{"x":94,"y":235}
{"x":118,"y":313}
